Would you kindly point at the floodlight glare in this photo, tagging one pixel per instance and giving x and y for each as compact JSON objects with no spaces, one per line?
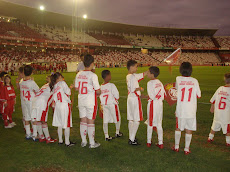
{"x":42,"y":7}
{"x":85,"y":16}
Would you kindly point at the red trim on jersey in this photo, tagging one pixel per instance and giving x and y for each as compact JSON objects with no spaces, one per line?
{"x":44,"y":113}
{"x":198,"y":97}
{"x":228,"y":128}
{"x":213,"y":102}
{"x":105,"y":83}
{"x":117,"y":113}
{"x":69,"y":115}
{"x":141,"y":78}
{"x":226,"y":86}
{"x":95,"y":107}
{"x":151,"y":114}
{"x":176,"y":122}
{"x":97,"y":90}
{"x":140,"y":107}
{"x":86,"y":70}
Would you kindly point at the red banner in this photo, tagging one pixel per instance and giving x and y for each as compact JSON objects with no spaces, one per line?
{"x":171,"y":93}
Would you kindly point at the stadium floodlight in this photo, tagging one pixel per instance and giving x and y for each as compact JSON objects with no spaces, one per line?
{"x":85,"y":16}
{"x":41,"y":7}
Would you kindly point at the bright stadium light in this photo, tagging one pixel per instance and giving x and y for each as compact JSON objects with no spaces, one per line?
{"x":85,"y":16}
{"x":42,"y":7}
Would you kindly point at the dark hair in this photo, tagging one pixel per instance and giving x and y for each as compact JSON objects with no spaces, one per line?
{"x":186,"y":69}
{"x":154,"y":70}
{"x":53,"y":79}
{"x":82,"y":55}
{"x":88,"y":60}
{"x":131,"y":63}
{"x":7,"y":76}
{"x":2,"y":74}
{"x":21,"y":69}
{"x":105,"y":73}
{"x":227,"y":78}
{"x":28,"y":70}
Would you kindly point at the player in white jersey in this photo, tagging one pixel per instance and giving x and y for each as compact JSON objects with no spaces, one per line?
{"x":109,"y":103}
{"x":188,"y":90}
{"x":156,"y":93}
{"x":28,"y":89}
{"x":134,"y":107}
{"x":221,"y":108}
{"x":87,"y":85}
{"x":40,"y":107}
{"x":81,"y":65}
{"x":62,"y":112}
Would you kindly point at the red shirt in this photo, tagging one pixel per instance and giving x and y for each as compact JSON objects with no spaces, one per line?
{"x":8,"y":93}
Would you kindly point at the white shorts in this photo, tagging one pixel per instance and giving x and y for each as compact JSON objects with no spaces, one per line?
{"x":186,"y":123}
{"x":62,"y":115}
{"x":27,"y":111}
{"x":217,"y":126}
{"x":155,"y":113}
{"x":89,"y":112}
{"x":134,"y":108}
{"x":111,"y":114}
{"x":40,"y":111}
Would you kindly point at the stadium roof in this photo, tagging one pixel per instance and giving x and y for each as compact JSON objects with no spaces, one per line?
{"x":35,"y":16}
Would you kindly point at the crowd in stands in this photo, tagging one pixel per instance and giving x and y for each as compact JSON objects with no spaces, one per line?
{"x":145,"y":40}
{"x":18,"y":30}
{"x":224,"y":41}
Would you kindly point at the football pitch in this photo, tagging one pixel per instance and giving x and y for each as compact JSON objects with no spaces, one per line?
{"x":18,"y":154}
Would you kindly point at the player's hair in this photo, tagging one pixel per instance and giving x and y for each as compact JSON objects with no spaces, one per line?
{"x":88,"y":60}
{"x":28,"y":70}
{"x":7,"y":76}
{"x":227,"y":78}
{"x":131,"y":63}
{"x":21,"y":69}
{"x":105,"y":73}
{"x":186,"y":69}
{"x":154,"y":70}
{"x":53,"y":79}
{"x":2,"y":74}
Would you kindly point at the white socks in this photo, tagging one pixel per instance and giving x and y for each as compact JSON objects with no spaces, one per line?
{"x":35,"y":131}
{"x":45,"y":130}
{"x":134,"y":130}
{"x":91,"y":133}
{"x":160,"y":135}
{"x":27,"y":128}
{"x":39,"y":129}
{"x":211,"y":136}
{"x":118,"y":125}
{"x":130,"y":129}
{"x":83,"y":131}
{"x":106,"y":130}
{"x":67,"y":134}
{"x":188,"y":138}
{"x":177,"y":139}
{"x":228,"y":139}
{"x":60,"y":135}
{"x":149,"y":133}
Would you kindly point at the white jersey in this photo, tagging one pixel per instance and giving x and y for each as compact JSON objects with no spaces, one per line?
{"x":221,"y":100}
{"x":28,"y":89}
{"x":87,"y":84}
{"x":109,"y":94}
{"x":155,"y":90}
{"x":133,"y":83}
{"x":188,"y":90}
{"x":61,"y":93}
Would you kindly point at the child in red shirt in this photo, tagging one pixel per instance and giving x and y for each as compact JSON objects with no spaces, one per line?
{"x":9,"y":95}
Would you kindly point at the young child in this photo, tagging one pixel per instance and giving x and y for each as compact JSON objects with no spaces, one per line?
{"x":134,"y":107}
{"x":156,"y":93}
{"x":28,"y":88}
{"x":109,"y":102}
{"x":188,"y":90}
{"x":62,"y":114}
{"x":2,"y":101}
{"x":8,"y":94}
{"x":87,"y":85}
{"x":221,"y":108}
{"x":40,"y":108}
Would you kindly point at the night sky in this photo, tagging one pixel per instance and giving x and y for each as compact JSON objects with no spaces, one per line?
{"x":159,"y":13}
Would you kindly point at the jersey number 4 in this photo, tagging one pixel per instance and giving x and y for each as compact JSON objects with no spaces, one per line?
{"x":82,"y":88}
{"x":183,"y":94}
{"x":26,"y":95}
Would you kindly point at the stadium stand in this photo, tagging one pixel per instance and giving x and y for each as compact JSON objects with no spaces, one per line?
{"x":224,"y":41}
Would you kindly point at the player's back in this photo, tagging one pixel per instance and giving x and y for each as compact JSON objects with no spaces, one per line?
{"x":221,"y":99}
{"x":61,"y":93}
{"x":87,"y":84}
{"x":28,"y":88}
{"x":109,"y":94}
{"x":155,"y":90}
{"x":44,"y":94}
{"x":188,"y":91}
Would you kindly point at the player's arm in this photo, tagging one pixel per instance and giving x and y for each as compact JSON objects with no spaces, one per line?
{"x":96,"y":85}
{"x":66,"y":89}
{"x":115,"y":92}
{"x":76,"y":84}
{"x":35,"y":88}
{"x":198,"y":92}
{"x":212,"y":108}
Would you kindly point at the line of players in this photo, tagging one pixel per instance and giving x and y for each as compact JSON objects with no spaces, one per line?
{"x":35,"y":104}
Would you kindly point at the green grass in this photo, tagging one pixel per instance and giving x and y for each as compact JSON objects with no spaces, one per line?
{"x":18,"y":154}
